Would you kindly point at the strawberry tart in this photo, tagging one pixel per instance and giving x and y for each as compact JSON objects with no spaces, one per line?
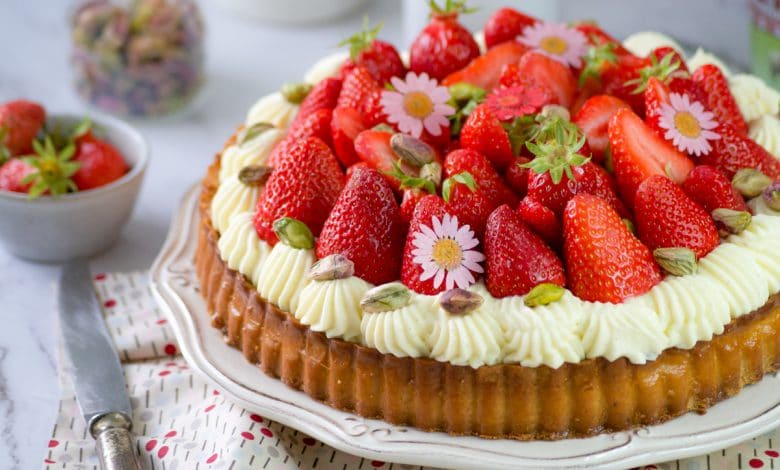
{"x":535,"y":232}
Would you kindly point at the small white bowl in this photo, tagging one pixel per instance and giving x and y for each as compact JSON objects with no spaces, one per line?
{"x":80,"y":224}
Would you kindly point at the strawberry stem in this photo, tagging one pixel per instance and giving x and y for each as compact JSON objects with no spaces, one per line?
{"x":451,"y":8}
{"x":665,"y":70}
{"x":361,"y":40}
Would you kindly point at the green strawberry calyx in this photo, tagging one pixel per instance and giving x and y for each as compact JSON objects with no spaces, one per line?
{"x":556,"y":144}
{"x":664,"y":70}
{"x":451,"y":8}
{"x":428,"y":178}
{"x":361,"y":40}
{"x":5,"y":154}
{"x":596,"y":59}
{"x":53,"y":169}
{"x":464,"y":178}
{"x":464,"y":97}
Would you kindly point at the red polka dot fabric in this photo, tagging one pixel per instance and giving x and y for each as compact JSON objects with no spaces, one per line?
{"x":180,"y":421}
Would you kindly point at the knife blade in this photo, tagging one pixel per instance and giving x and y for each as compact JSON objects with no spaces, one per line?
{"x":95,"y":369}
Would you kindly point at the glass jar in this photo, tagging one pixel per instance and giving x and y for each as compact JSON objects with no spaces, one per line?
{"x":138,"y":58}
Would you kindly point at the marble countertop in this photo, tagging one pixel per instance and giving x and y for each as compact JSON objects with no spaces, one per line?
{"x":245,"y":60}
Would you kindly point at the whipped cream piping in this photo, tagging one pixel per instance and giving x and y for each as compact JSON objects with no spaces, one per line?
{"x":754,"y":97}
{"x":253,"y":152}
{"x":232,"y":197}
{"x":766,"y":132}
{"x":642,"y":43}
{"x":734,"y":270}
{"x":333,"y":307}
{"x":703,"y":57}
{"x":631,"y":330}
{"x":273,"y":109}
{"x":285,"y":275}
{"x":241,"y":248}
{"x":326,"y":67}
{"x":403,"y":332}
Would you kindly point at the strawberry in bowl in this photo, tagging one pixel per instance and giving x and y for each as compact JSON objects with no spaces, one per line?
{"x":67,"y":186}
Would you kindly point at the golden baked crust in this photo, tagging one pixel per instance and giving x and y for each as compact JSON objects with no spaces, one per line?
{"x":500,"y":401}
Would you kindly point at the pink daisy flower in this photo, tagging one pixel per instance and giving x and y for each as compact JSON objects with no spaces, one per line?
{"x":445,"y":252}
{"x":688,"y":125}
{"x":556,"y":40}
{"x":419,"y":103}
{"x":509,"y":103}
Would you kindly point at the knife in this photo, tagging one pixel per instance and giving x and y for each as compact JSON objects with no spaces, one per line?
{"x":95,"y":370}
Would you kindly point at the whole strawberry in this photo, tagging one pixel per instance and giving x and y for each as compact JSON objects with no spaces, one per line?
{"x":485,"y":176}
{"x":666,"y":218}
{"x":468,"y":201}
{"x":365,"y":225}
{"x":315,"y":124}
{"x":719,"y":98}
{"x":483,"y":133}
{"x":605,"y":262}
{"x":542,"y":220}
{"x":304,"y":185}
{"x":517,"y":259}
{"x":99,"y":162}
{"x":323,"y":95}
{"x":12,"y":176}
{"x":735,"y":151}
{"x":505,"y":25}
{"x":712,"y":189}
{"x":444,"y":45}
{"x":440,"y":252}
{"x":379,"y":58}
{"x":20,"y":122}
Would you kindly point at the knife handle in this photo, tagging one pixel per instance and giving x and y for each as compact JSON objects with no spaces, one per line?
{"x":115,"y":446}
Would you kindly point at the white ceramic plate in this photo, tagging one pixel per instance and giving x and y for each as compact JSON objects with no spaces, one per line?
{"x":752,"y":412}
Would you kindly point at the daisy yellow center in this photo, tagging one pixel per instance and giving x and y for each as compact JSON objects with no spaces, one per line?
{"x":686,"y":124}
{"x":447,"y":253}
{"x":418,"y":104}
{"x":554,"y":45}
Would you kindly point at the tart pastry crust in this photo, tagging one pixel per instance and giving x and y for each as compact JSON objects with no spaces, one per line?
{"x":498,"y":401}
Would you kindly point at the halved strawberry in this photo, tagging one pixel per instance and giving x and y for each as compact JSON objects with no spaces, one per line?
{"x":373,"y":147}
{"x":638,"y":153}
{"x":483,"y":133}
{"x":666,"y":218}
{"x":485,"y":70}
{"x":605,"y":262}
{"x":593,"y":118}
{"x":505,"y":25}
{"x":517,"y":260}
{"x":552,"y":74}
{"x":656,"y":96}
{"x":719,"y":98}
{"x":345,"y":126}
